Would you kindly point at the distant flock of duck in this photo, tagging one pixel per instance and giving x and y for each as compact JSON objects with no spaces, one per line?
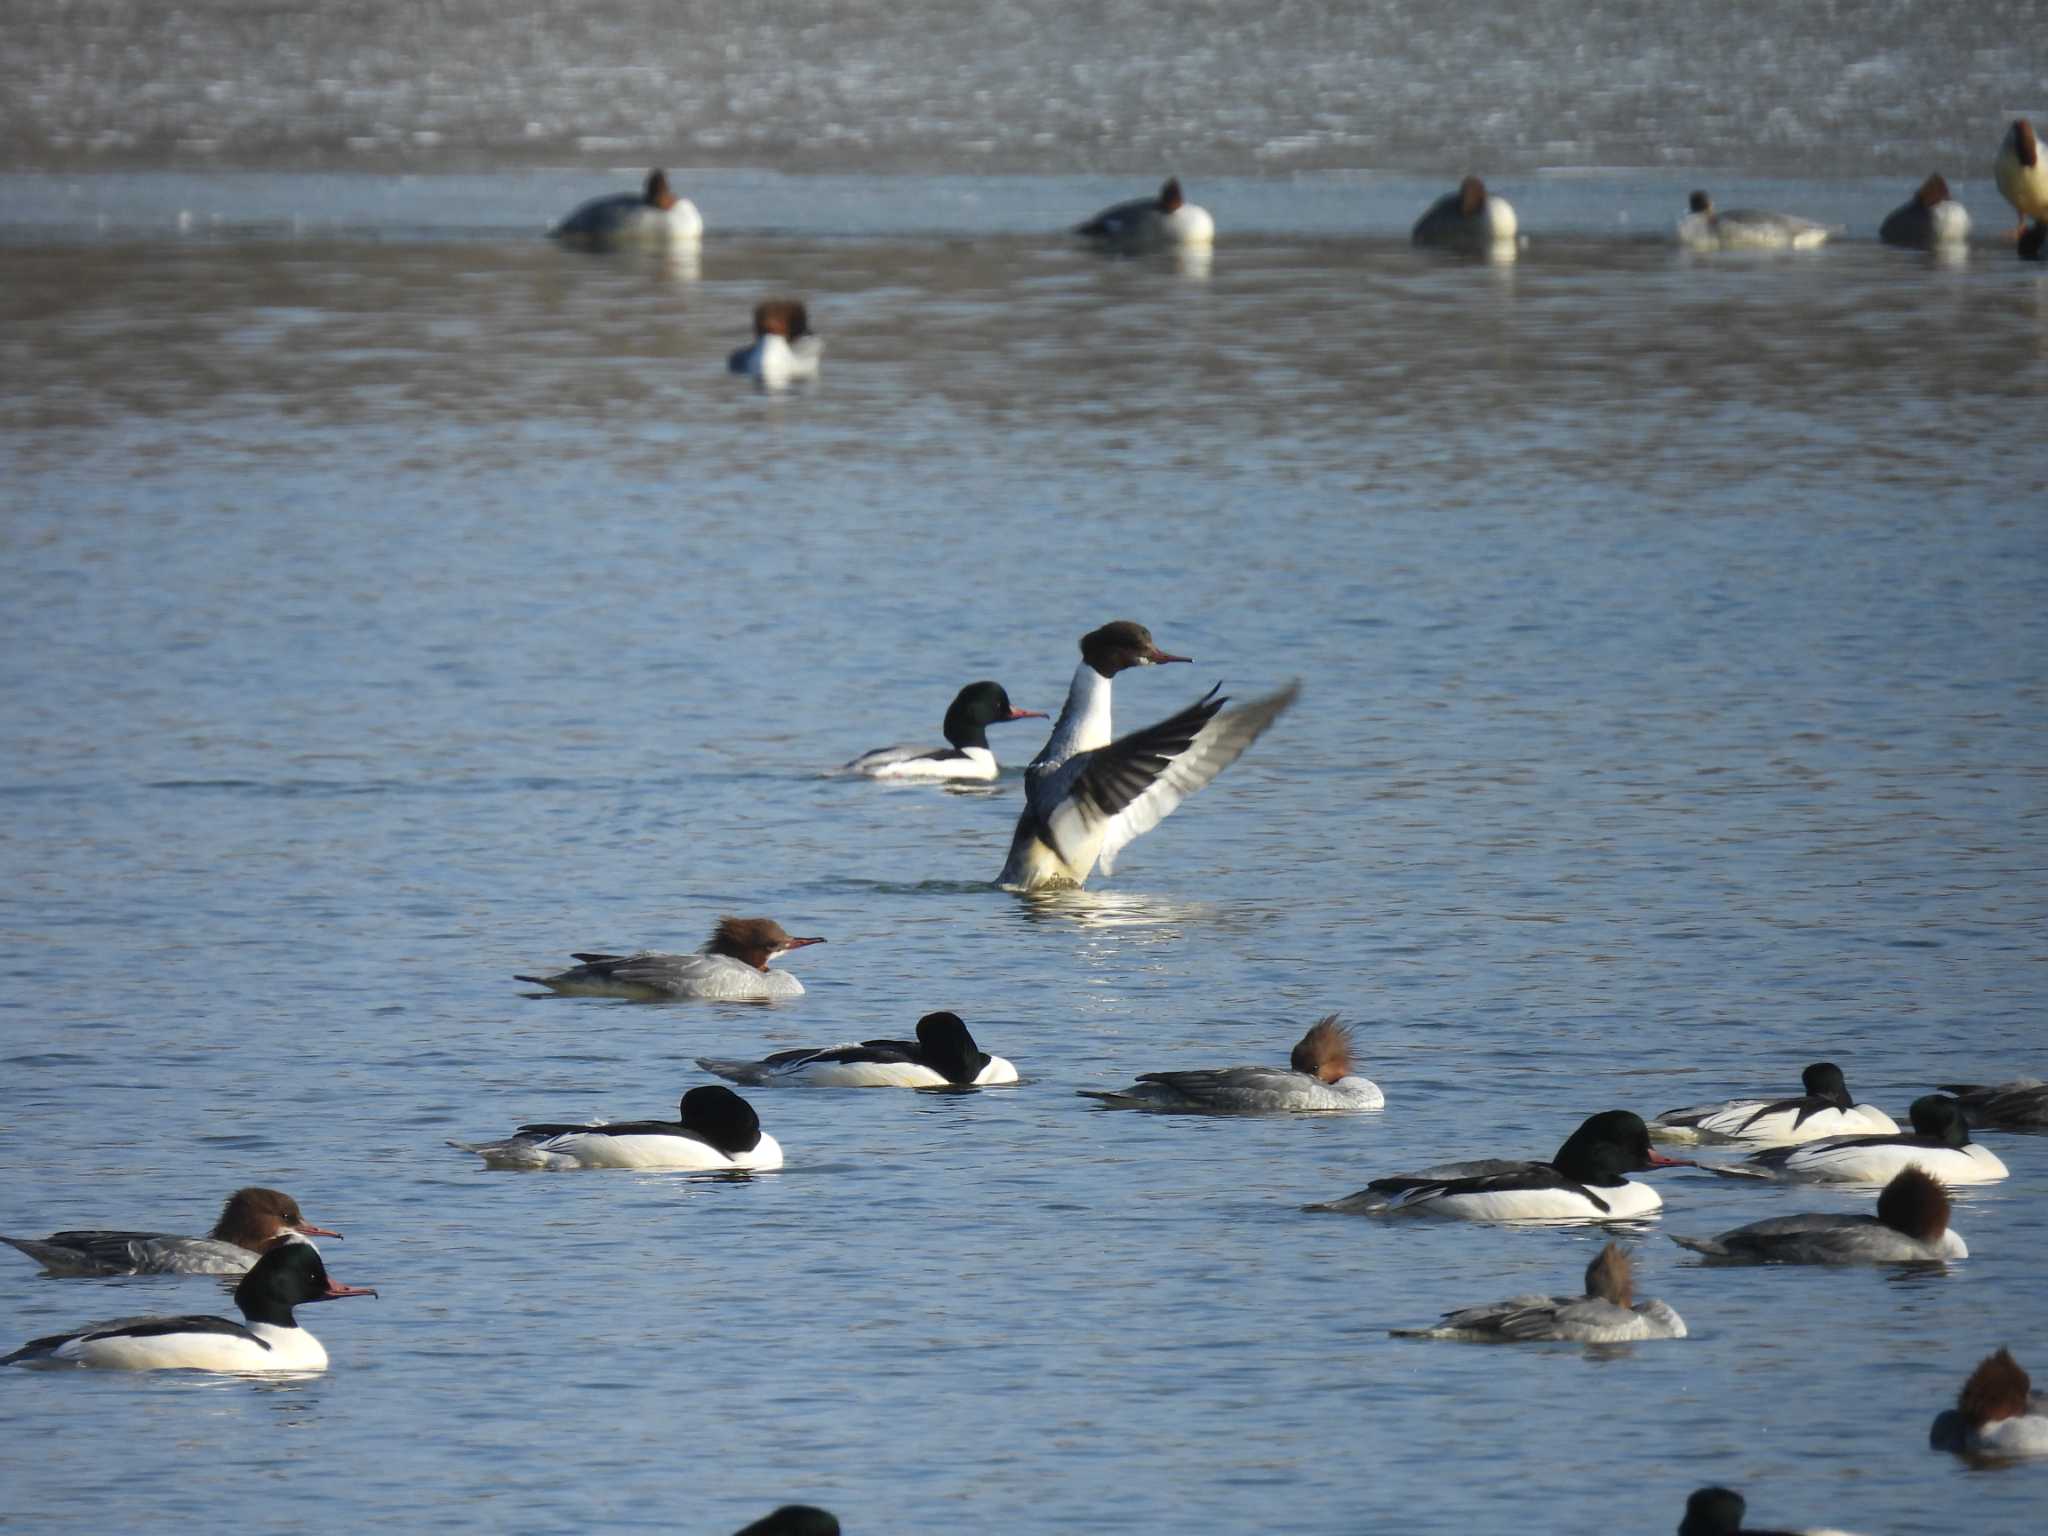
{"x":1087,"y":794}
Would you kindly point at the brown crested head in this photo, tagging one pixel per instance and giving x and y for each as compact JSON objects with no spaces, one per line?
{"x":1699,"y":202}
{"x":1933,"y":191}
{"x":786,"y":318}
{"x":656,"y":193}
{"x":1471,"y":196}
{"x":1325,"y":1051}
{"x":1122,"y":644}
{"x":2023,"y":143}
{"x":1996,"y":1390}
{"x":1915,"y":1203}
{"x":1611,"y":1277}
{"x":256,"y":1218}
{"x":754,"y":940}
{"x":1169,"y":195}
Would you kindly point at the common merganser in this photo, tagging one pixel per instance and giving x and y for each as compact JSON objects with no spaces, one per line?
{"x":1469,"y":219}
{"x":784,"y":345}
{"x":1086,"y":796}
{"x":1910,"y":1227}
{"x":715,"y":1129}
{"x":1317,"y":1077}
{"x":657,"y":214}
{"x":1719,"y":1512}
{"x":252,"y":1222}
{"x":2020,"y":1105}
{"x":943,"y":1055}
{"x":1825,"y":1110}
{"x":1996,"y":1416}
{"x":795,"y":1520}
{"x":731,"y":967}
{"x":1151,"y":223}
{"x":1930,"y":218}
{"x":2021,"y":175}
{"x":1939,"y":1142}
{"x":269,"y":1340}
{"x":1586,"y":1182}
{"x":1607,"y":1313}
{"x":1707,"y":228}
{"x":974,"y":709}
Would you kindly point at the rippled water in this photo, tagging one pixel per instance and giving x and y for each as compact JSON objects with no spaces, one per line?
{"x":392,"y":602}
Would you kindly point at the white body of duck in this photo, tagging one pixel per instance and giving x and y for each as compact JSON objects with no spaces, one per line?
{"x":656,"y":216}
{"x":784,"y":348}
{"x":252,"y":1222}
{"x":1586,"y":1182}
{"x":1607,"y":1313}
{"x":731,"y":967}
{"x":716,"y":1130}
{"x":1086,"y":796}
{"x":1910,"y":1227}
{"x":1318,"y":1077}
{"x":965,"y":758}
{"x":268,"y":1339}
{"x":1930,"y":218}
{"x":943,"y":1055}
{"x":1469,"y":219}
{"x":1997,"y":1414}
{"x":1826,"y":1109}
{"x":1151,"y":223}
{"x":2020,"y":172}
{"x":1938,"y":1143}
{"x":1706,"y":228}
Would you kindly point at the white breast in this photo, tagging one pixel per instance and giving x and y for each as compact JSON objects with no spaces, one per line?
{"x":595,"y":1149}
{"x":291,"y":1349}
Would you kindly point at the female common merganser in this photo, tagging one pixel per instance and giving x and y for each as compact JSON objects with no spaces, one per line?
{"x":974,"y":709}
{"x":1826,"y":1110}
{"x":270,"y":1339}
{"x":1996,"y":1414}
{"x":1910,"y":1227}
{"x":1607,"y":1314}
{"x":731,"y":967}
{"x":1469,"y":219}
{"x":1317,"y":1077}
{"x":1929,"y":219}
{"x":2020,"y":1105}
{"x":716,"y":1128}
{"x":2022,"y":177}
{"x":1707,"y":228}
{"x":784,"y":346}
{"x":795,"y":1520}
{"x":252,"y":1222}
{"x":1150,"y":223}
{"x":943,"y":1055}
{"x":657,"y":214}
{"x":1719,"y":1512}
{"x":1086,"y":796}
{"x":1939,"y":1142}
{"x":1586,"y":1181}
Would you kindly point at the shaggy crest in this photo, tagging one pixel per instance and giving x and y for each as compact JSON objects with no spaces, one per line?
{"x":253,"y":1218}
{"x":657,"y":194}
{"x":1169,"y":195}
{"x":1933,"y":191}
{"x":1325,"y":1051}
{"x":786,"y":318}
{"x":1915,"y":1203}
{"x":1996,"y":1390}
{"x":1611,"y":1277}
{"x":755,"y":940}
{"x":1471,"y":196}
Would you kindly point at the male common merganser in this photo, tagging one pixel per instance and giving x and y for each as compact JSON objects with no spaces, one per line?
{"x":657,"y":214}
{"x":1826,"y":1110}
{"x":1929,"y":219}
{"x":2020,"y":1105}
{"x":1606,"y":1314}
{"x":1910,"y":1227}
{"x":731,"y":967}
{"x":2022,"y":177}
{"x":1469,"y":219}
{"x":784,"y":345}
{"x":1939,"y":1142}
{"x":943,"y":1055}
{"x":1719,"y":1512}
{"x":1996,"y":1414}
{"x":1586,"y":1181}
{"x":974,"y":709}
{"x":715,"y":1128}
{"x":1707,"y":228}
{"x":1086,"y":796}
{"x":1317,"y":1077}
{"x":252,"y":1222}
{"x":795,"y":1520}
{"x":1151,"y":223}
{"x":269,"y":1340}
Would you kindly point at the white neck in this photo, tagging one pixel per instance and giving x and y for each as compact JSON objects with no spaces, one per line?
{"x":1083,"y":724}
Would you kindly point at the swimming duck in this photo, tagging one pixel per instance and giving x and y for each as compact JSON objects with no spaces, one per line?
{"x":1607,"y":1313}
{"x":1826,"y":1109}
{"x":974,"y":709}
{"x":1939,"y":1142}
{"x":252,"y":1222}
{"x":1910,"y":1227}
{"x":1996,"y":1416}
{"x":1469,"y":219}
{"x":1929,"y":218}
{"x":1317,"y":1077}
{"x":1151,"y":223}
{"x":943,"y":1055}
{"x":1706,"y":228}
{"x":784,"y":347}
{"x":656,"y":215}
{"x":731,"y":967}
{"x":2019,"y":1105}
{"x":715,"y":1129}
